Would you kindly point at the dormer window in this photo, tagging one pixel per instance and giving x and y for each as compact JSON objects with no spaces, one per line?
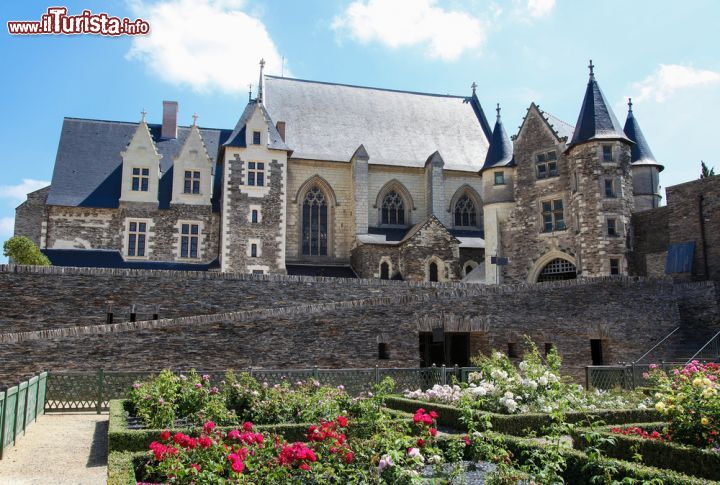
{"x":499,"y":178}
{"x":192,"y":182}
{"x":546,"y":164}
{"x":256,"y":137}
{"x":607,"y":153}
{"x":256,"y":174}
{"x":140,"y":179}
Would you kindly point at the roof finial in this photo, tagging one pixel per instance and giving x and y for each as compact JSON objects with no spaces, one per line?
{"x":260,"y":83}
{"x":194,"y":117}
{"x":142,"y":114}
{"x":250,"y":92}
{"x":630,"y":105}
{"x":474,"y":87}
{"x":592,"y":69}
{"x":498,"y":111}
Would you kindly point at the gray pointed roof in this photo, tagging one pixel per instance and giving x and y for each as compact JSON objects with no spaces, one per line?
{"x":641,"y":153}
{"x":326,"y":121}
{"x":238,"y":138}
{"x":500,"y":153}
{"x":596,"y":120}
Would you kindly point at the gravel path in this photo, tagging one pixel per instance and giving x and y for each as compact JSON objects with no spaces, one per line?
{"x":60,"y":448}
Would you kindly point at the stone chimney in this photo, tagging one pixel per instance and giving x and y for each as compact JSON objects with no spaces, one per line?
{"x":280,"y":125}
{"x":169,"y":119}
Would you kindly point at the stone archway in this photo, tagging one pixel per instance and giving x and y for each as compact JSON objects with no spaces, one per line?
{"x":554,"y":265}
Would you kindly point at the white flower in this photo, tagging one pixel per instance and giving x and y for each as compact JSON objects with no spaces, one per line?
{"x":509,"y":395}
{"x":522,"y":365}
{"x":543,"y":381}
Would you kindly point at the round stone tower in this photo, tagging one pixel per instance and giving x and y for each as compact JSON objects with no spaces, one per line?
{"x":645,"y":169}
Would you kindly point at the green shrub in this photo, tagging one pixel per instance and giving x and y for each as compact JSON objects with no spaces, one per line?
{"x":22,"y":250}
{"x":122,"y":466}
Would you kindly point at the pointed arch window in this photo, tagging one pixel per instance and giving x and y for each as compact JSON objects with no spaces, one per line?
{"x":433,"y":271}
{"x":393,"y":209}
{"x":465,"y":212}
{"x":315,"y":223}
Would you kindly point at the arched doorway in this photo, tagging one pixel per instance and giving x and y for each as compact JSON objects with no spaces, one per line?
{"x":384,"y":271}
{"x":558,"y":269}
{"x":433,"y":271}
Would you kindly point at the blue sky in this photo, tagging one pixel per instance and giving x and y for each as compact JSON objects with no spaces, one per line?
{"x":203,"y":53}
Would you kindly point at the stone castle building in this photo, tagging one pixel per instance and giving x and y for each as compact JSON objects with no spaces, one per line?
{"x":330,"y":179}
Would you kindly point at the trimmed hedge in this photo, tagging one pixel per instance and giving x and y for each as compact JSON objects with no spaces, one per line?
{"x":120,"y":438}
{"x":518,"y":424}
{"x":122,"y":465}
{"x":662,"y":454}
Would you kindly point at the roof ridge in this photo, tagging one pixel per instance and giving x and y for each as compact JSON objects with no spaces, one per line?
{"x":135,"y":123}
{"x":419,"y":93}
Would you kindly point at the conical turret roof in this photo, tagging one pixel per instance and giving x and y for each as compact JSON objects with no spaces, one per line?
{"x":641,"y":153}
{"x":597,"y":120}
{"x":500,"y":152}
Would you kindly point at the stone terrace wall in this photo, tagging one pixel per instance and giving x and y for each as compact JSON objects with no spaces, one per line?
{"x":630,"y":315}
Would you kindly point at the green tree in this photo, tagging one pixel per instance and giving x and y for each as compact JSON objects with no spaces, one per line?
{"x":23,"y":251}
{"x":705,"y":171}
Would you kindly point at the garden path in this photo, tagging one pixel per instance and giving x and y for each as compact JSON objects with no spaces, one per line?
{"x":60,"y":448}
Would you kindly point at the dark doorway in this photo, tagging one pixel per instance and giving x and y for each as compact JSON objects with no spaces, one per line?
{"x":558,"y":269}
{"x":384,"y":271}
{"x":453,"y":350}
{"x":433,"y":271}
{"x":596,"y":349}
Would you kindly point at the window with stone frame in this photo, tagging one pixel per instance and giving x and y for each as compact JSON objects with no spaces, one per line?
{"x":192,"y":182}
{"x":140,"y":179}
{"x":392,"y":211}
{"x":546,"y":165}
{"x":553,"y":215}
{"x":253,"y":250}
{"x":433,"y":271}
{"x":499,"y":178}
{"x":254,"y":216}
{"x":256,"y":138}
{"x":465,"y":212}
{"x":189,"y":240}
{"x":137,"y":238}
{"x":256,"y":174}
{"x":384,"y":271}
{"x":609,"y":188}
{"x":315,"y":223}
{"x":612,"y":227}
{"x":614,"y":266}
{"x":607,"y":153}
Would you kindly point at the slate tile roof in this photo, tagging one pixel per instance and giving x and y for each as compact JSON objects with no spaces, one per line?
{"x":641,"y":153}
{"x":100,"y":258}
{"x":326,"y":121}
{"x":500,"y":153}
{"x":88,"y":165}
{"x":596,"y":119}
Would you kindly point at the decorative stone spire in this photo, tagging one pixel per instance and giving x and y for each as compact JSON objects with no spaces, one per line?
{"x":194,"y":117}
{"x":641,"y":153}
{"x":473,"y":86}
{"x":249,"y":92}
{"x":500,"y":152}
{"x":260,"y":82}
{"x":142,"y":115}
{"x":596,"y":120}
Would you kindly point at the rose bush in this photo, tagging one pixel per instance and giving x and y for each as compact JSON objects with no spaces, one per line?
{"x":534,"y":385}
{"x":690,"y":399}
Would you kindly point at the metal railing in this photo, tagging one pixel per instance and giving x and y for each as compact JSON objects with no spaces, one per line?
{"x":19,"y":407}
{"x":623,"y":376}
{"x":662,"y":341}
{"x":92,"y":391}
{"x":710,"y":352}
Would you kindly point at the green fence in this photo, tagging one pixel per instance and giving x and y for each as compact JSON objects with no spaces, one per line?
{"x":92,"y":391}
{"x":19,"y":407}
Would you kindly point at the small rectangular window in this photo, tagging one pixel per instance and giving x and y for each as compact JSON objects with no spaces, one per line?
{"x":499,"y":178}
{"x":546,"y":164}
{"x":258,"y":271}
{"x":607,"y":153}
{"x":256,"y":137}
{"x":253,"y":250}
{"x":189,"y":240}
{"x":614,"y":266}
{"x":611,"y":226}
{"x":254,"y":216}
{"x":137,"y":232}
{"x":140,"y":179}
{"x":553,"y":215}
{"x":610,"y":189}
{"x":256,"y":174}
{"x":512,"y":351}
{"x":383,"y":353}
{"x":192,"y":182}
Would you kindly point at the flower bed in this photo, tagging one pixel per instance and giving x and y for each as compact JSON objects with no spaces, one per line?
{"x":522,"y":424}
{"x":534,"y":386}
{"x":640,"y":440}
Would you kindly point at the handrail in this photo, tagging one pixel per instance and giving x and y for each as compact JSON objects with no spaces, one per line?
{"x":657,"y":345}
{"x":716,"y":336}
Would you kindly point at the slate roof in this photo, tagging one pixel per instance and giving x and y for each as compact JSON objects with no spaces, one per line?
{"x":237,"y":137}
{"x":320,"y":270}
{"x":641,"y":153}
{"x":500,"y":153}
{"x":596,"y":119}
{"x":326,"y":121}
{"x":88,"y":165}
{"x":561,"y":128}
{"x":100,"y":258}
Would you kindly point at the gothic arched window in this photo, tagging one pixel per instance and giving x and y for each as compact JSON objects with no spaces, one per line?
{"x":465,"y":212}
{"x":393,"y":209}
{"x":315,"y":223}
{"x":384,"y":271}
{"x":433,"y":271}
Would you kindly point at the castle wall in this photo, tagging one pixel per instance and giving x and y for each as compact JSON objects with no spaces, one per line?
{"x":31,"y":215}
{"x":629,"y":315}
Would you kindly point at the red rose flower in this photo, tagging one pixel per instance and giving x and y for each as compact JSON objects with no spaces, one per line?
{"x":165,"y":435}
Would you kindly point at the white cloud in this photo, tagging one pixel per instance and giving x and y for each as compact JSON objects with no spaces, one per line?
{"x":540,"y":8}
{"x":16,"y":194}
{"x":205,"y":44}
{"x":445,"y":34}
{"x":669,"y":79}
{"x":7,"y":228}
